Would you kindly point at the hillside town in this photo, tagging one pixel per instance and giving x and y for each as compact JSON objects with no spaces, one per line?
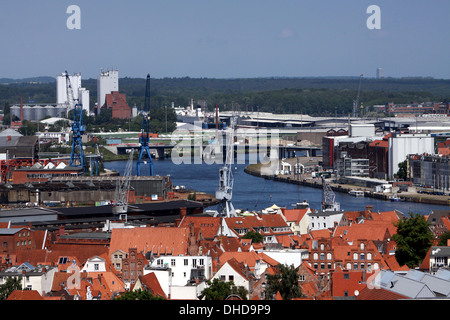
{"x":336,"y":254}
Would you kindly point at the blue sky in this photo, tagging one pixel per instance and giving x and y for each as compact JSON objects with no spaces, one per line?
{"x":225,"y":38}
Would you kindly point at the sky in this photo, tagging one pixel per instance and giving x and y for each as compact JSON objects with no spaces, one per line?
{"x":225,"y":38}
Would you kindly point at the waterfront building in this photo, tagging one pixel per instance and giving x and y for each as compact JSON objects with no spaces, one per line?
{"x":429,"y":170}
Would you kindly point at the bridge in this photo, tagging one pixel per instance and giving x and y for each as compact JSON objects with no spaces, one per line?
{"x":283,"y":151}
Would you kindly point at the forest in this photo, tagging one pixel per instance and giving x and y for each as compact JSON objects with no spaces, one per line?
{"x":313,"y":96}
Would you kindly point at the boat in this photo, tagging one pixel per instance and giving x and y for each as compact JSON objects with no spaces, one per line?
{"x":395,"y":197}
{"x":356,"y":193}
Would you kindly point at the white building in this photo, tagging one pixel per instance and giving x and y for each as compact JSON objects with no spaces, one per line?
{"x":400,"y":145}
{"x":33,"y":278}
{"x":94,"y":264}
{"x":107,"y":82}
{"x":79,"y":93}
{"x":324,"y":219}
{"x":181,"y":277}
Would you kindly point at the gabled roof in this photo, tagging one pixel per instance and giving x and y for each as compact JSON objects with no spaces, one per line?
{"x":247,"y":258}
{"x":237,"y":266}
{"x":294,"y":215}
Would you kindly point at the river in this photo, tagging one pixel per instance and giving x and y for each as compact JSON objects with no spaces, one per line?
{"x":254,"y":193}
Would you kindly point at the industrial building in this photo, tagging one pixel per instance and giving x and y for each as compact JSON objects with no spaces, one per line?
{"x":37,"y":112}
{"x":107,"y":82}
{"x":79,"y":93}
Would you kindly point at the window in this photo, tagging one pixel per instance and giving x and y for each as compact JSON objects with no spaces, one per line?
{"x":172,"y":262}
{"x":362,"y":256}
{"x":362,"y":246}
{"x":322,"y":256}
{"x":96,"y":267}
{"x":315,"y":256}
{"x":355,"y":256}
{"x":355,"y":266}
{"x":186,"y":262}
{"x":231,"y":277}
{"x":346,"y":276}
{"x":201,"y":262}
{"x":329,"y":256}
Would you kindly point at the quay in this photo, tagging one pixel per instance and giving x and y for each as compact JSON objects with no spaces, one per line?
{"x":306,"y":179}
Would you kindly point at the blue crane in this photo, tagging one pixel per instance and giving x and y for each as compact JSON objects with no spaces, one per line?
{"x":77,"y":158}
{"x":145,"y":135}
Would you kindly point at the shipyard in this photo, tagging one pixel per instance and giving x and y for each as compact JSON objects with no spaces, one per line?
{"x":191,"y":159}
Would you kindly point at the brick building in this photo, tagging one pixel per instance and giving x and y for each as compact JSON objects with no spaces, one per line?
{"x":117,"y":102}
{"x":133,"y":266}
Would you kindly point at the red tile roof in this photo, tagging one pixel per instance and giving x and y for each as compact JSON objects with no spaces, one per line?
{"x":150,"y":282}
{"x":25,"y":295}
{"x":378,"y":294}
{"x":159,"y":240}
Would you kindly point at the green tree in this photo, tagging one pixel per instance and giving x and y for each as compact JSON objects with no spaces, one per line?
{"x":413,"y":239}
{"x":11,"y":284}
{"x":402,"y":172}
{"x":444,"y":238}
{"x":220,"y":290}
{"x":255,"y":236}
{"x":284,"y":281}
{"x":138,"y":295}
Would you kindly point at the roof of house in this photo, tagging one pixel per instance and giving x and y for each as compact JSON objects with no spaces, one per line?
{"x":237,"y":266}
{"x":295,"y":215}
{"x":378,"y":294}
{"x":209,"y":226}
{"x":368,"y":230}
{"x":247,"y":258}
{"x":158,"y":240}
{"x":150,"y":281}
{"x":256,"y":221}
{"x":25,"y":295}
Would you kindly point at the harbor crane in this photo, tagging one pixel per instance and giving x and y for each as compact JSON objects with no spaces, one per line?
{"x":120,"y":204}
{"x":77,"y":158}
{"x":144,"y":138}
{"x":356,"y":101}
{"x":226,"y":180}
{"x":328,"y":197}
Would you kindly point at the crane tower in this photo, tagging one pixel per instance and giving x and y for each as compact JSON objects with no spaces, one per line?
{"x":226,"y":180}
{"x":77,"y":158}
{"x":145,"y":135}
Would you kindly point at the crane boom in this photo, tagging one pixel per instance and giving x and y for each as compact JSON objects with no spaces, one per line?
{"x":356,"y":101}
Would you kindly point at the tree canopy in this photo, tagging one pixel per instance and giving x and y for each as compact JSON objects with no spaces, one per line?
{"x":220,"y":290}
{"x":285,"y":281}
{"x":413,"y":239}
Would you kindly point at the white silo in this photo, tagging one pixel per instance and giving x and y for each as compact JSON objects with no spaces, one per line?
{"x":107,"y":82}
{"x":84,"y":99}
{"x":61,"y":88}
